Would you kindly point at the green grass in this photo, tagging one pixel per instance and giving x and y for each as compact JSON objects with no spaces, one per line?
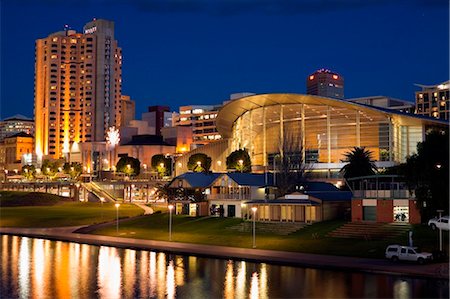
{"x":17,"y":198}
{"x":312,"y":239}
{"x":64,"y":214}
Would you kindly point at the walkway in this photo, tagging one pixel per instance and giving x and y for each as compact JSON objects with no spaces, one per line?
{"x":147,"y":209}
{"x":435,"y":270}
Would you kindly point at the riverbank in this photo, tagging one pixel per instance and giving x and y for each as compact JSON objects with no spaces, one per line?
{"x":379,"y":266}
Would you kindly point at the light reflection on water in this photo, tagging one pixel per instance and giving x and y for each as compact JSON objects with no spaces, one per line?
{"x":36,"y":268}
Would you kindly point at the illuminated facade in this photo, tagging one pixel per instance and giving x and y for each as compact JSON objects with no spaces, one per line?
{"x":325,"y":83}
{"x":15,"y":124}
{"x":13,"y":148}
{"x":77,"y":87}
{"x":433,"y":100}
{"x":321,"y":130}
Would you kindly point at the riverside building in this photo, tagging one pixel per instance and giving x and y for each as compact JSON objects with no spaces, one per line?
{"x":77,"y":88}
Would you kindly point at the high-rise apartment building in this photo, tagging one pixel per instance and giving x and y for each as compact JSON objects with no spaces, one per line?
{"x":77,"y":87}
{"x":433,"y":100}
{"x":325,"y":83}
{"x":16,"y":124}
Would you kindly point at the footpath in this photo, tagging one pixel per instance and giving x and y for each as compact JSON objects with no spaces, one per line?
{"x":378,"y":266}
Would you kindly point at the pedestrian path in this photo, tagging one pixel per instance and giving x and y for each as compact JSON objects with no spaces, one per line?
{"x":434,"y":270}
{"x":147,"y":209}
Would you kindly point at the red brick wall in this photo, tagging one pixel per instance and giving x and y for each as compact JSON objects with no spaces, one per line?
{"x":357,"y":210}
{"x":385,"y":210}
{"x":414,"y":212}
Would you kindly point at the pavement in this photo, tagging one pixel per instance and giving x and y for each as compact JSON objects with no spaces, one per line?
{"x":379,"y":266}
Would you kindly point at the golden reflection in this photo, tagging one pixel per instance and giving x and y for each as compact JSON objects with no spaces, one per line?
{"x":254,"y":291}
{"x":74,"y":258}
{"x":152,"y":272}
{"x":85,"y":263}
{"x":109,"y":273}
{"x":24,"y":269}
{"x":241,"y":281}
{"x":229,"y":281}
{"x":5,"y":256}
{"x":161,"y":275}
{"x":143,"y":274}
{"x":129,"y":270}
{"x":62,"y":270}
{"x":170,"y":281}
{"x":402,"y":289}
{"x":263,"y":290}
{"x":15,"y":257}
{"x":179,"y":272}
{"x":192,"y":262}
{"x":39,"y":268}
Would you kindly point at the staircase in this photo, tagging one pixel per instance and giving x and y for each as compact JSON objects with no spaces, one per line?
{"x":276,"y":228}
{"x":370,"y":231}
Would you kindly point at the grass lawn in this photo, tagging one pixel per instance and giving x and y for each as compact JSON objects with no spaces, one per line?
{"x":215,"y":231}
{"x":18,"y":198}
{"x":64,"y":214}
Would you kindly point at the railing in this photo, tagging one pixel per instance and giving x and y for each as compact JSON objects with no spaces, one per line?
{"x":382,"y":194}
{"x":228,"y":196}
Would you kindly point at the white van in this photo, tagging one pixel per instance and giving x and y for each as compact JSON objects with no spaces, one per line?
{"x":407,"y":253}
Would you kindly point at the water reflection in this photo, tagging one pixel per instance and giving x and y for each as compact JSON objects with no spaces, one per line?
{"x":36,"y":268}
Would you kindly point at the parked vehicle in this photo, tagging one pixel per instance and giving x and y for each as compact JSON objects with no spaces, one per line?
{"x":439,"y":223}
{"x":406,"y":253}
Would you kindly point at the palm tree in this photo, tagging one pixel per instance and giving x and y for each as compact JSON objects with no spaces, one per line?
{"x":360,"y":163}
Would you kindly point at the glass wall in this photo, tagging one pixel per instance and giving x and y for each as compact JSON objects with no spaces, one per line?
{"x":323,"y":134}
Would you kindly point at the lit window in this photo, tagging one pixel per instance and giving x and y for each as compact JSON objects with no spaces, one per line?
{"x":54,"y":56}
{"x":55,"y":39}
{"x":335,"y":77}
{"x":73,"y":41}
{"x":311,"y":77}
{"x":52,"y":87}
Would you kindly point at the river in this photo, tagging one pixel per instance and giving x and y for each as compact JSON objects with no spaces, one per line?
{"x":38,"y":268}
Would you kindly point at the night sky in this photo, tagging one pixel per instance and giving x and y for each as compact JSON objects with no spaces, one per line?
{"x":199,"y":52}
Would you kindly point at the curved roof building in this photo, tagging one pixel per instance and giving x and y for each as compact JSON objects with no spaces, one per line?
{"x":316,"y":130}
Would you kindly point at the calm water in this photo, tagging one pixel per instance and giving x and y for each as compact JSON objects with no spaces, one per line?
{"x":37,"y":268}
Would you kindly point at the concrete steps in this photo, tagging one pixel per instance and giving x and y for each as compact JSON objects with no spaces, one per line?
{"x":370,"y":231}
{"x":277,"y":228}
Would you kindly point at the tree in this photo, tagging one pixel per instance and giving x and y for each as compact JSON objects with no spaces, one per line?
{"x":73,"y":169}
{"x":28,"y":171}
{"x":162,"y":164}
{"x":359,"y":163}
{"x":289,"y":166}
{"x":239,"y":160}
{"x":51,"y":167}
{"x":199,"y":163}
{"x":129,"y":165}
{"x":427,"y":173}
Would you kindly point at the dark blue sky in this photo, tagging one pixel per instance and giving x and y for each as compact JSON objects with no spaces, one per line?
{"x":180,"y":52}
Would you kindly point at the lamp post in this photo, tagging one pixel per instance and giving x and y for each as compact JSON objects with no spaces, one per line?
{"x":117,"y":216}
{"x":101,"y":202}
{"x":129,"y":171}
{"x":440,"y":230}
{"x":241,"y":164}
{"x":170,"y":222}
{"x":254,"y":226}
{"x":199,"y":165}
{"x":162,"y":169}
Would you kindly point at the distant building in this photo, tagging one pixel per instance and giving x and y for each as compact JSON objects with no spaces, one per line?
{"x":433,"y":100}
{"x":13,"y":148}
{"x":386,"y":102}
{"x":78,"y":82}
{"x":202,"y":120}
{"x":158,"y":117}
{"x":179,"y":136}
{"x":128,"y":110}
{"x":325,"y":83}
{"x":16,"y":124}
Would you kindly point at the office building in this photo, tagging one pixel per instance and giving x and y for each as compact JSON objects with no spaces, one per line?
{"x":128,"y":110}
{"x":158,"y":117}
{"x":77,"y":87}
{"x":386,"y":102}
{"x":433,"y":100}
{"x":325,"y":83}
{"x":12,"y":150}
{"x":16,"y":124}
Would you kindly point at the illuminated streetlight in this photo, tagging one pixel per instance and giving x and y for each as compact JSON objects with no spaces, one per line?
{"x":440,"y":231}
{"x":170,"y":222}
{"x":438,"y":166}
{"x":241,"y":163}
{"x":102,"y":199}
{"x":117,"y":216}
{"x":254,"y":226}
{"x":199,"y":165}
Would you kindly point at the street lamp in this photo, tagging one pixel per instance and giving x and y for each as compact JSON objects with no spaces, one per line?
{"x":241,"y":163}
{"x":170,"y":222}
{"x":117,"y":216}
{"x":199,"y":166}
{"x":440,"y":230}
{"x":102,"y":199}
{"x":254,"y":226}
{"x":129,"y":171}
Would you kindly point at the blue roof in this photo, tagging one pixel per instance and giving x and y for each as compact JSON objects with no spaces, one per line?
{"x":252,"y":179}
{"x":198,"y":179}
{"x":326,"y":191}
{"x":319,"y":186}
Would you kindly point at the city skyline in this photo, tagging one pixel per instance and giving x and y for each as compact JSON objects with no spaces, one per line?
{"x":170,"y":56}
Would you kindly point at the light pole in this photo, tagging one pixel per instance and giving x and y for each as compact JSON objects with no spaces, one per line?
{"x":170,"y":222}
{"x":117,"y":216}
{"x":162,"y":169}
{"x":101,"y":202}
{"x":199,"y":166}
{"x":129,"y":171}
{"x":254,"y":226}
{"x":241,"y":164}
{"x":440,"y":230}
